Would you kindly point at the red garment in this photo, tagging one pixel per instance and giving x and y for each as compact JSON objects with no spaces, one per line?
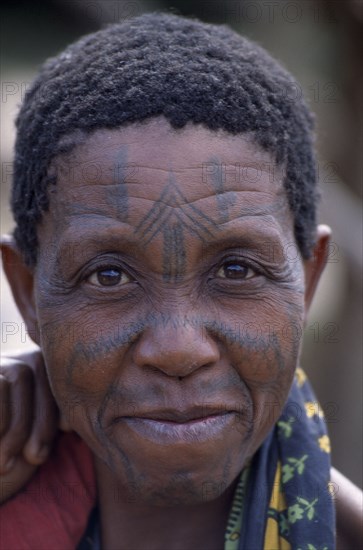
{"x":52,"y":511}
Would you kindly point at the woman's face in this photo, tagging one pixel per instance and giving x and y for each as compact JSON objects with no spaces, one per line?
{"x":170,"y":299}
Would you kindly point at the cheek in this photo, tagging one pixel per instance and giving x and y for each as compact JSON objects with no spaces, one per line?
{"x":265,"y":345}
{"x":83,"y":359}
{"x":268,"y":337}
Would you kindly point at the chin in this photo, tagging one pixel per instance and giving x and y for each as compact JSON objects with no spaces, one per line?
{"x":179,"y":490}
{"x":169,"y":483}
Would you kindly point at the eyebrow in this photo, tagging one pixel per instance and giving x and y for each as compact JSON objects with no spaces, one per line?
{"x":116,"y":234}
{"x":263,"y":240}
{"x":96,"y":236}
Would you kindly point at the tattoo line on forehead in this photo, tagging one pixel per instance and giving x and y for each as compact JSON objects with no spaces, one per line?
{"x":117,"y":196}
{"x":171,"y":196}
{"x":174,"y":255}
{"x":222,"y":199}
{"x":173,"y":225}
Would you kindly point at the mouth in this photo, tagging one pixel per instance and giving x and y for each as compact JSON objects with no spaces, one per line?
{"x":182,"y":416}
{"x":175,"y":426}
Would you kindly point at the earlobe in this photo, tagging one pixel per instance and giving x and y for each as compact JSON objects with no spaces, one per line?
{"x":21,"y":281}
{"x":314,"y":267}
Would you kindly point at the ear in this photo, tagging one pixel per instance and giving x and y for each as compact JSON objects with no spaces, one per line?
{"x":314,"y":266}
{"x":21,"y":281}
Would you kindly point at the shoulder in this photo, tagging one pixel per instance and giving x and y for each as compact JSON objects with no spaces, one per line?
{"x":349,"y":511}
{"x":51,"y":509}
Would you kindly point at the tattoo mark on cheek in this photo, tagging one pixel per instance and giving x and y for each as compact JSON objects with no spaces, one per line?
{"x":261,"y":360}
{"x":115,"y":453}
{"x":84,"y":354}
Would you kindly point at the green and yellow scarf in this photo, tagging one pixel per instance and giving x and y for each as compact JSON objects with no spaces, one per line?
{"x":283,"y":499}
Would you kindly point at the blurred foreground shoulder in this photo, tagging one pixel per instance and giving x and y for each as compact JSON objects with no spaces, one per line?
{"x":349,"y":510}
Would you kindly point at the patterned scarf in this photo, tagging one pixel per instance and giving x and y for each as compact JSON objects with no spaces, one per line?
{"x":285,"y":494}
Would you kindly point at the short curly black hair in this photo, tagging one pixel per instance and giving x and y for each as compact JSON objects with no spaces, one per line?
{"x":160,"y":64}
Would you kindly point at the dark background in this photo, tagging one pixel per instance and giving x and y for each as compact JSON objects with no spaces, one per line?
{"x":319,"y":42}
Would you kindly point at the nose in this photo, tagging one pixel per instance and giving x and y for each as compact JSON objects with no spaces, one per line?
{"x":177,"y":349}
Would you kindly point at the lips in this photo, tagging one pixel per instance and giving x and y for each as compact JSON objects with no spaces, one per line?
{"x":181,"y":416}
{"x":193,"y":424}
{"x":197,"y":430}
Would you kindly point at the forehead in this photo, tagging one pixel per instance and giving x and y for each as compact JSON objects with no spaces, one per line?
{"x":165,"y":197}
{"x":145,"y":174}
{"x":208,"y":162}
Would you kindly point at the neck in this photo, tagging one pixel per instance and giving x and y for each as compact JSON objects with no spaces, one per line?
{"x":126,"y":524}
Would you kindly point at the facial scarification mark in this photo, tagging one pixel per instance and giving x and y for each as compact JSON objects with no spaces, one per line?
{"x":173,"y":216}
{"x":217,"y":183}
{"x":117,"y":196}
{"x":173,"y":253}
{"x":171,"y":208}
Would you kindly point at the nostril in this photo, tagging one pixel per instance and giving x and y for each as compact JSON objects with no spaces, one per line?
{"x":177,"y":354}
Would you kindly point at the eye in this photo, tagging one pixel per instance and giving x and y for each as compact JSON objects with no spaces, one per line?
{"x":236,"y":270}
{"x":109,"y":276}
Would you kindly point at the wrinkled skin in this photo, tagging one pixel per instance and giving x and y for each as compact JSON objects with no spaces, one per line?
{"x":168,"y":277}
